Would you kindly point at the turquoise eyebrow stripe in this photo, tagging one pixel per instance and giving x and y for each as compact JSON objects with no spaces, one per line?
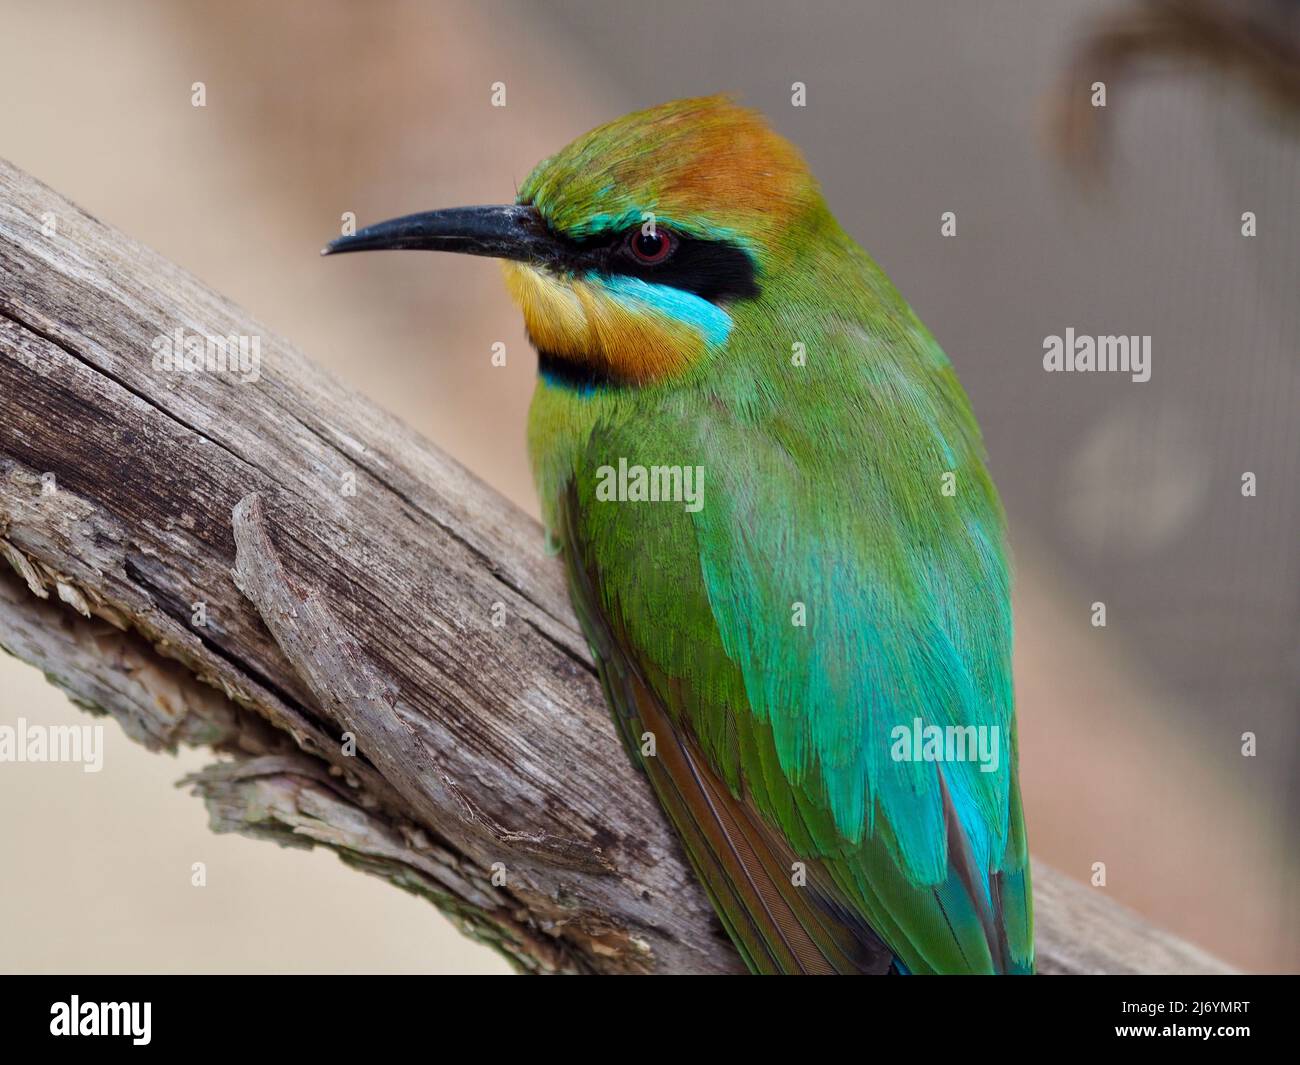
{"x":707,"y":319}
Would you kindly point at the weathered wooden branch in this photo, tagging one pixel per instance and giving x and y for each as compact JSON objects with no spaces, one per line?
{"x":277,"y":569}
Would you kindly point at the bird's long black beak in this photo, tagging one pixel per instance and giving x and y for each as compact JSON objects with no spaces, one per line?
{"x":505,"y":232}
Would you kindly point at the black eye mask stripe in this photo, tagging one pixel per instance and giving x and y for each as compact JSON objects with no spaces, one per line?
{"x":711,"y":269}
{"x":714,"y":270}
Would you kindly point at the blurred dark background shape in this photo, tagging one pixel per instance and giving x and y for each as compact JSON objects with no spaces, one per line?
{"x":1256,"y":42}
{"x":1118,"y":492}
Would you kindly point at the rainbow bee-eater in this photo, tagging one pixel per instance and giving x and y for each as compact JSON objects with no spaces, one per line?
{"x":781,"y":540}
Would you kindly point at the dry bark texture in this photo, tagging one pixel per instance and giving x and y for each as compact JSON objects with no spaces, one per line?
{"x":374,"y":639}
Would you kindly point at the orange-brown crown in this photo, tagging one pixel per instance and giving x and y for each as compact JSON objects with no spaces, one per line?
{"x":706,"y":166}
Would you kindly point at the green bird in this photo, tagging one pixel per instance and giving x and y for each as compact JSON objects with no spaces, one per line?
{"x":780,"y":537}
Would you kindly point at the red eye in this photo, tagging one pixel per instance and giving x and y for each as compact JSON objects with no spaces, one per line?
{"x":649,"y":247}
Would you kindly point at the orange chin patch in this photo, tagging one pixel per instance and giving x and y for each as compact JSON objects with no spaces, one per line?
{"x":573,"y":319}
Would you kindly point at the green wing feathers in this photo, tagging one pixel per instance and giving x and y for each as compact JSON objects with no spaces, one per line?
{"x":746,"y":867}
{"x":844,"y":578}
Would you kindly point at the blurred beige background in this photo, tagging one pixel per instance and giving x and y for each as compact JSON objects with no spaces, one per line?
{"x":1116,"y":492}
